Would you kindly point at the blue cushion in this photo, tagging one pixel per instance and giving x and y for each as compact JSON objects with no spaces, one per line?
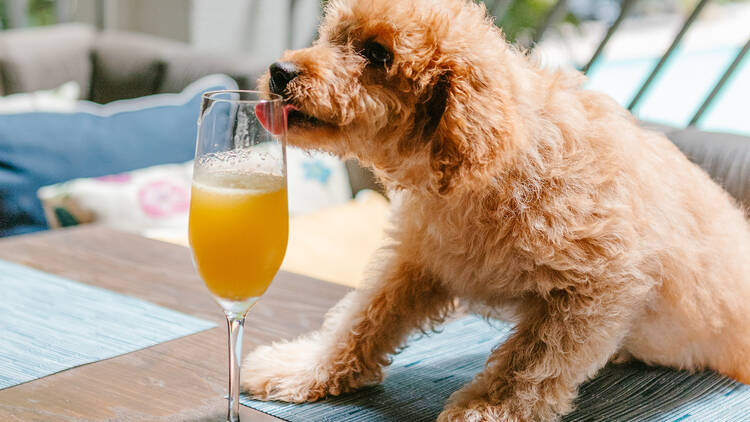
{"x":43,"y":148}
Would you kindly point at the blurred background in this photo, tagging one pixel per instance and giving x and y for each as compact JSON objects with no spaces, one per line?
{"x":563,"y":33}
{"x":99,"y":99}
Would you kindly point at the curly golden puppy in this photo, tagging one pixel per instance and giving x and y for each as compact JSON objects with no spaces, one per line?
{"x":518,"y":192}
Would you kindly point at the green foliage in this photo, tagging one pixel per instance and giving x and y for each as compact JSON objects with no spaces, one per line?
{"x":42,"y":12}
{"x":38,"y":13}
{"x":3,"y":15}
{"x":523,"y":16}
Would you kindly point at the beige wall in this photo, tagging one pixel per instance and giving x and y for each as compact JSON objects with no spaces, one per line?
{"x":258,"y":27}
{"x":248,"y":27}
{"x":82,"y":11}
{"x":165,"y":18}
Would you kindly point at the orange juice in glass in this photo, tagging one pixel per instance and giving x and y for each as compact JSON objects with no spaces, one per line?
{"x":239,"y":226}
{"x":239,"y":221}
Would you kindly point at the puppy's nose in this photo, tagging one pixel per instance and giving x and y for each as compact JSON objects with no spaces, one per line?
{"x":281,"y":74}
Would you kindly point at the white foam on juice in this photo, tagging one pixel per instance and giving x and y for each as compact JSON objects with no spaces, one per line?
{"x":244,"y":170}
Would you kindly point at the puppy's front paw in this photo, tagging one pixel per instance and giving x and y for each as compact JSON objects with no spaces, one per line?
{"x":288,"y":371}
{"x":477,"y":411}
{"x":298,"y":371}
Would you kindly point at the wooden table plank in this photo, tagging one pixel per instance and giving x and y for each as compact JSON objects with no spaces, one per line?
{"x":181,"y":380}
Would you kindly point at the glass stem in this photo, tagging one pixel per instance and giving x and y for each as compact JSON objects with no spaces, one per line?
{"x":234,"y":326}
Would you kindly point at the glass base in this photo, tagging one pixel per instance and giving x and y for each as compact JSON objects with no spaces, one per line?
{"x":236,"y":309}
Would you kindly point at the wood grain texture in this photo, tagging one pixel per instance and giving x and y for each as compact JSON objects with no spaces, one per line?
{"x":180,"y":380}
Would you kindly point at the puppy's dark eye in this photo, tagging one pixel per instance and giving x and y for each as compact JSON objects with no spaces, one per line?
{"x":377,"y":54}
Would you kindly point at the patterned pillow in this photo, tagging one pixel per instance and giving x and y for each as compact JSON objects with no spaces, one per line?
{"x":154,"y":201}
{"x":137,"y":201}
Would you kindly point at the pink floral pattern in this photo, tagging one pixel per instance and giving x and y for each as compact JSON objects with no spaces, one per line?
{"x":115,"y":178}
{"x":163,"y":199}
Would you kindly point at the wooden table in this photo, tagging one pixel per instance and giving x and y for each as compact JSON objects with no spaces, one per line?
{"x":179,"y":380}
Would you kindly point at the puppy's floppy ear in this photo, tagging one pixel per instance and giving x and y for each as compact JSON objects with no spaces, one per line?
{"x":428,"y":113}
{"x":445,"y":157}
{"x":431,"y":111}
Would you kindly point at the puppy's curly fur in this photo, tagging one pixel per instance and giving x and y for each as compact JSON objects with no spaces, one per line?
{"x":517,"y":191}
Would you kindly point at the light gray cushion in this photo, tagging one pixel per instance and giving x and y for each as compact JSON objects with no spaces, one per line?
{"x":726,"y":157}
{"x":362,"y":178}
{"x":45,"y":58}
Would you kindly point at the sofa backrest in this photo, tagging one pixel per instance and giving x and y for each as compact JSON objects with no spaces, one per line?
{"x":110,"y":65}
{"x":184,"y":64}
{"x":45,"y":58}
{"x":128,"y":65}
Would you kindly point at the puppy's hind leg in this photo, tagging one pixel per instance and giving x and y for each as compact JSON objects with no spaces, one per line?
{"x":621,"y":357}
{"x":562,"y":340}
{"x":353,"y":345}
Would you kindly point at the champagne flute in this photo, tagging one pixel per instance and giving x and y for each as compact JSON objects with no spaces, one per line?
{"x":239,"y":220}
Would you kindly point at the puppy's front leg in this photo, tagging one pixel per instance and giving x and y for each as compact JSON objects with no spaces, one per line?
{"x":352,"y":347}
{"x":562,"y":340}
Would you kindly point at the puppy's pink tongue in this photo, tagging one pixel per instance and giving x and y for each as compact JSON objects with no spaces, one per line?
{"x":288,"y":108}
{"x":273,"y":123}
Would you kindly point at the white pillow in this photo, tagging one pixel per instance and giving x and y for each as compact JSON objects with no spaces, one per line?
{"x":61,"y":99}
{"x":315,"y":180}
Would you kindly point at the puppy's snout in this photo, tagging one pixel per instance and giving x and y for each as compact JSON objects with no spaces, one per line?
{"x":281,"y":74}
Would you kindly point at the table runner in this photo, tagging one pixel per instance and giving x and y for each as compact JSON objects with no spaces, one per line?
{"x":422,"y":377}
{"x":49,"y":324}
